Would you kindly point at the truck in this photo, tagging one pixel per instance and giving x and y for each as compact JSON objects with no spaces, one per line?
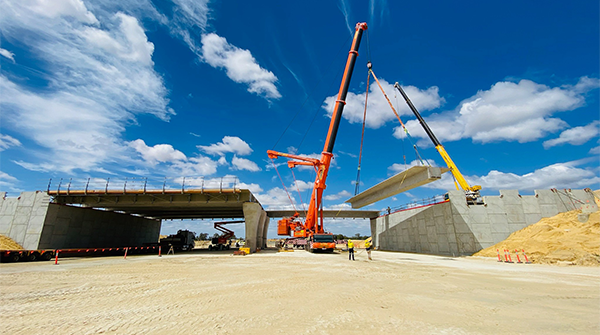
{"x":182,"y":241}
{"x":312,"y":228}
{"x":321,"y":242}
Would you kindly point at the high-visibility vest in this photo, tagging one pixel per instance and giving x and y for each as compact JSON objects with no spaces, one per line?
{"x":350,"y":244}
{"x":367,"y":244}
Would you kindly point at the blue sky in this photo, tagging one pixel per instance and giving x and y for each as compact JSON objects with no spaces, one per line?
{"x":136,"y":89}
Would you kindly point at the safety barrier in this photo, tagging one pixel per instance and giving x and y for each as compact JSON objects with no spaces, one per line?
{"x":508,"y":258}
{"x":436,"y":199}
{"x":65,"y":185}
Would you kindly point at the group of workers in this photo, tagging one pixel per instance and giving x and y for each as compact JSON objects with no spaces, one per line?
{"x":368,"y":247}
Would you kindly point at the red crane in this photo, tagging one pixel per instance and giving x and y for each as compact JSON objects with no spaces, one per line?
{"x":312,"y":226}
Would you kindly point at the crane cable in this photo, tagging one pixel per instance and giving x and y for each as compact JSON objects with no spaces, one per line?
{"x":299,"y":195}
{"x":403,"y":149}
{"x":282,"y":183}
{"x":398,"y":117}
{"x":362,"y":137}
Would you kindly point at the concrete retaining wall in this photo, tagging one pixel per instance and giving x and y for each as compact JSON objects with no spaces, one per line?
{"x":455,"y":228}
{"x":75,"y":227}
{"x":22,"y":218}
{"x":35,"y":223}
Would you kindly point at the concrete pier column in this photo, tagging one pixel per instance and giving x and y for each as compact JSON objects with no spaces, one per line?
{"x":265,"y":225}
{"x":255,"y":217}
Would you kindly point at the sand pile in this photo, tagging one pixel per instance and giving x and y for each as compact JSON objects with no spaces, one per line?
{"x":7,"y":243}
{"x":561,"y":238}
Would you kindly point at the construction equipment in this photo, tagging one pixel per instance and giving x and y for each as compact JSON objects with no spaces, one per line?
{"x":222,"y":242}
{"x":311,"y":228}
{"x":182,"y":241}
{"x":471,"y":192}
{"x":25,"y":255}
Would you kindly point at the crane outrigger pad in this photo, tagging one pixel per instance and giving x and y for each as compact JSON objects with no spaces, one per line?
{"x":406,"y":180}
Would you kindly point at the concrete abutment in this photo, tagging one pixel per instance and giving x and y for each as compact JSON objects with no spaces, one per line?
{"x":35,"y":223}
{"x":455,"y":228}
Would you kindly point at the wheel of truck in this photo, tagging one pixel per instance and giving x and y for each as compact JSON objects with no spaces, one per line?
{"x":46,"y":256}
{"x":210,"y":248}
{"x":14,"y":257}
{"x":32,"y":256}
{"x":221,"y":247}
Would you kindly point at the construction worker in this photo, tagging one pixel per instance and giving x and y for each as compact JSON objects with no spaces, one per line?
{"x":350,"y":250}
{"x":368,"y":246}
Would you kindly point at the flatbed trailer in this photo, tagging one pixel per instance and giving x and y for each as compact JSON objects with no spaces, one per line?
{"x":26,"y":255}
{"x":47,"y":254}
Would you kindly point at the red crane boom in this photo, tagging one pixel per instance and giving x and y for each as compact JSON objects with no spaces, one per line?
{"x":312,"y":226}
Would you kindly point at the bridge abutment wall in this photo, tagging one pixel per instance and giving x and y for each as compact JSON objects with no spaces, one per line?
{"x":35,"y":223}
{"x":455,"y":228}
{"x":76,"y":227}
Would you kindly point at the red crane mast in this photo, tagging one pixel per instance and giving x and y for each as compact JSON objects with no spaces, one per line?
{"x":312,"y":225}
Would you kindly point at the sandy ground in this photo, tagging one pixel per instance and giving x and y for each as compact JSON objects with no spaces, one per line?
{"x":203,"y":292}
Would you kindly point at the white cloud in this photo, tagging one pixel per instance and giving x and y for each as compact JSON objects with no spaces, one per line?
{"x":506,"y":112}
{"x":60,"y":8}
{"x":576,"y":135}
{"x":344,"y":7}
{"x":240,"y":65}
{"x":337,"y":207}
{"x":378,"y":109}
{"x":129,"y":43}
{"x":7,"y":54}
{"x":292,"y":150}
{"x":339,"y":195}
{"x":158,"y":153}
{"x":193,"y":166}
{"x":190,"y":22}
{"x":232,"y":144}
{"x":275,"y":198}
{"x":559,"y":175}
{"x":244,"y":164}
{"x":254,"y":188}
{"x":7,"y":141}
{"x":6,"y":177}
{"x":191,"y":13}
{"x":377,"y":10}
{"x":301,"y":185}
{"x":8,"y":183}
{"x":93,"y":89}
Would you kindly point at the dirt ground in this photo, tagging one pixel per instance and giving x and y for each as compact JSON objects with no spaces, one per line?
{"x":203,"y":292}
{"x":7,"y":243}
